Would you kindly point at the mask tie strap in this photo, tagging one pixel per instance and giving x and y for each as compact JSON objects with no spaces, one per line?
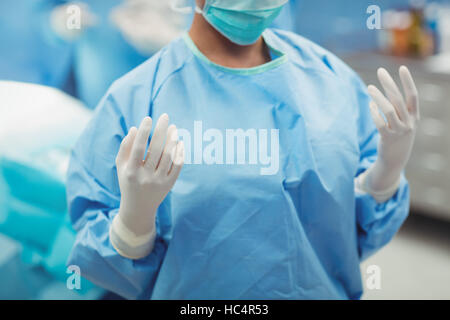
{"x":198,"y":10}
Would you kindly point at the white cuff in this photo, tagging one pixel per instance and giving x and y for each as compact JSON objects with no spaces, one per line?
{"x":127,"y":243}
{"x":362,"y":186}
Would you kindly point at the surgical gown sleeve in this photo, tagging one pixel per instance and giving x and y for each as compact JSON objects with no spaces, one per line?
{"x":94,"y":197}
{"x":376,"y":223}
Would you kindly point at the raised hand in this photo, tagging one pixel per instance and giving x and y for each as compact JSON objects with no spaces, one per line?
{"x":397,"y":131}
{"x":145,"y":180}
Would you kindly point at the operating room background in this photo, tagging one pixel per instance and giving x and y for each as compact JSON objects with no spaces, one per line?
{"x":35,"y":234}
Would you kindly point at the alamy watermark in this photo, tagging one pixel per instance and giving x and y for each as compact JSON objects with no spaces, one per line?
{"x":74,"y":280}
{"x":373,"y":280}
{"x":374,"y":20}
{"x":258,"y":147}
{"x":73,"y":21}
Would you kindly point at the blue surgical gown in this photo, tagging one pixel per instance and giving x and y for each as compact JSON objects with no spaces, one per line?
{"x":226,"y":231}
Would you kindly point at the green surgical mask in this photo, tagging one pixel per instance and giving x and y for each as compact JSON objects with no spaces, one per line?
{"x":241,"y":21}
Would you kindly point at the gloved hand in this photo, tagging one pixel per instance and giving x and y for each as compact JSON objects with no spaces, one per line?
{"x":397,"y":134}
{"x":148,"y":25}
{"x":144,"y":184}
{"x":70,"y":20}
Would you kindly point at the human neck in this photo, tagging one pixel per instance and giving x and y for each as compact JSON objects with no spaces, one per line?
{"x":222,"y":51}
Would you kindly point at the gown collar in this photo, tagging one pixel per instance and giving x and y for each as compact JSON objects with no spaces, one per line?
{"x":280,"y":58}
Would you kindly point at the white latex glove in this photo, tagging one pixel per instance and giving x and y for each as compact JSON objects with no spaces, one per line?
{"x":70,"y":20}
{"x":397,"y":133}
{"x":148,"y":25}
{"x":144,"y":184}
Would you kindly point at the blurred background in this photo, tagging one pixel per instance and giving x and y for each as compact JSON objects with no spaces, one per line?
{"x":52,"y":77}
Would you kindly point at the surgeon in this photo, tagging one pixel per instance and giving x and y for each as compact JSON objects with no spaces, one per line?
{"x":157,"y":221}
